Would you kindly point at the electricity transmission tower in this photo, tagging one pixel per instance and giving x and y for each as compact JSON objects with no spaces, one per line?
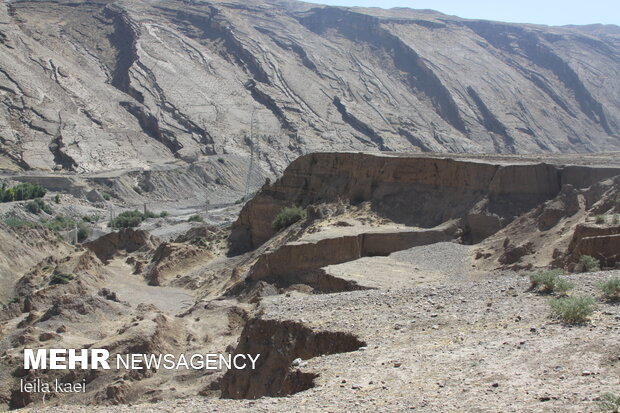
{"x":253,"y":148}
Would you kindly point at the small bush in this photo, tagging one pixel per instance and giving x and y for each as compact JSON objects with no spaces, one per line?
{"x":83,"y":231}
{"x":150,"y":214}
{"x":609,"y":402}
{"x":106,"y":196}
{"x":221,"y":160}
{"x":45,"y":207}
{"x":59,"y":223}
{"x":573,"y":310}
{"x":127,"y":219}
{"x":14,"y":222}
{"x":61,"y":278}
{"x":137,"y":189}
{"x":218,"y":181}
{"x":287,"y":217}
{"x":57,"y":199}
{"x":611,"y":289}
{"x":91,"y":219}
{"x":33,"y":207}
{"x":38,"y":205}
{"x":589,"y":263}
{"x":163,"y":214}
{"x":195,"y":218}
{"x":547,"y":282}
{"x":600,"y":219}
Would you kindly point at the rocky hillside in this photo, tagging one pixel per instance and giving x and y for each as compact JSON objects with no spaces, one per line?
{"x":95,"y":85}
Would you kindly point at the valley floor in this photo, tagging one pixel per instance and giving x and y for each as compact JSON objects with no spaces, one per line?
{"x":460,"y":342}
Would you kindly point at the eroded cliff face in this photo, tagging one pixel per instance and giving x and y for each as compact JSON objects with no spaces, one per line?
{"x":100,"y":84}
{"x":423,"y":191}
{"x":279,"y":342}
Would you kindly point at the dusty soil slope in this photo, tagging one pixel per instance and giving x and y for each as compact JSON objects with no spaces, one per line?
{"x":99,"y":84}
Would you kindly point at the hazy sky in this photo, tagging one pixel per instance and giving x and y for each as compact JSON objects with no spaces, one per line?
{"x":551,"y":12}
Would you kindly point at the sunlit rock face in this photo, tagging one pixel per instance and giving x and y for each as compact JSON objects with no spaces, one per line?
{"x":98,"y":85}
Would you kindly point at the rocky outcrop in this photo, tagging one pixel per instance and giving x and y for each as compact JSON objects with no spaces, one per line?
{"x":301,"y":262}
{"x":127,"y":239}
{"x":600,"y":242}
{"x":171,"y":257}
{"x":20,"y":249}
{"x":565,"y":204}
{"x":99,"y":85}
{"x":279,"y":343}
{"x":414,"y":190}
{"x":557,"y":233}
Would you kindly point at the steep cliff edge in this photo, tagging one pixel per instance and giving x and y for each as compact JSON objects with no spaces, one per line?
{"x":423,"y":191}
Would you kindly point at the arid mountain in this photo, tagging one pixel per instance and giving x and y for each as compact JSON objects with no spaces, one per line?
{"x":97,"y":85}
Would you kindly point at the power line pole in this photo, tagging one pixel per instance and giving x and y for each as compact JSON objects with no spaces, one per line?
{"x":252,"y":144}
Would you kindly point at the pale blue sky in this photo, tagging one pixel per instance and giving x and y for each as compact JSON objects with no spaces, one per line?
{"x":551,"y":12}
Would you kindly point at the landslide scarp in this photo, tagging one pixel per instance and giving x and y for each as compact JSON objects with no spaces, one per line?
{"x":279,"y":343}
{"x":423,"y":191}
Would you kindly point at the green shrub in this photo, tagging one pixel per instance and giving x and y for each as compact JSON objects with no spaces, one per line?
{"x":83,"y":232}
{"x":609,"y":402}
{"x":221,"y":160}
{"x":589,"y":263}
{"x":150,"y":214}
{"x":14,"y":222}
{"x":600,"y":219}
{"x":21,"y":192}
{"x":59,"y":223}
{"x":287,"y":217}
{"x":38,"y":205}
{"x":611,"y":289}
{"x":127,"y":219}
{"x":549,"y":281}
{"x":130,"y":219}
{"x":106,"y":196}
{"x":91,"y":219}
{"x":33,"y":207}
{"x":61,"y":278}
{"x":163,"y":214}
{"x":195,"y":218}
{"x":573,"y":310}
{"x":57,"y":199}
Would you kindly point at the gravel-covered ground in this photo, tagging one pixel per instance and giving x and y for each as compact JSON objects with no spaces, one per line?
{"x":475,"y":344}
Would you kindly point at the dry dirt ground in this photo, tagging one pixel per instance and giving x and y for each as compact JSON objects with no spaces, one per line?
{"x":458,"y":342}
